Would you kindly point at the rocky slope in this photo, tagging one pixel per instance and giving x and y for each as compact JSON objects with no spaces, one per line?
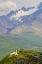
{"x":22,"y":21}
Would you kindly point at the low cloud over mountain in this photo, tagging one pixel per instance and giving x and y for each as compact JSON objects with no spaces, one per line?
{"x":23,"y":20}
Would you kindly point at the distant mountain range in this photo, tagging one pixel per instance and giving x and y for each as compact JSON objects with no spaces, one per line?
{"x":23,"y":20}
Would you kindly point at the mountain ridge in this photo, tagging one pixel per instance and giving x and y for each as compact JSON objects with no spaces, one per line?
{"x":28,"y":22}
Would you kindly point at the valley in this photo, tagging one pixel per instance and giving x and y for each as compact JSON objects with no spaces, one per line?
{"x":10,"y":43}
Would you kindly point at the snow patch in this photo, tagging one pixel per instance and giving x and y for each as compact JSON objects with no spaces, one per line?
{"x":22,"y":13}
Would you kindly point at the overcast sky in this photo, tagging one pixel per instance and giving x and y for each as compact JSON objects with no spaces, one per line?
{"x":7,"y":5}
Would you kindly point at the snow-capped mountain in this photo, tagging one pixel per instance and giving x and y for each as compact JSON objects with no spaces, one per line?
{"x":39,"y":6}
{"x":22,"y":12}
{"x":22,"y":20}
{"x":23,"y":9}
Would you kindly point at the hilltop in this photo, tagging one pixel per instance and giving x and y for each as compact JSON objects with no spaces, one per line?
{"x":23,"y":57}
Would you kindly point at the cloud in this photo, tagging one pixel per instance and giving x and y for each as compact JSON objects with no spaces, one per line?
{"x":7,"y":6}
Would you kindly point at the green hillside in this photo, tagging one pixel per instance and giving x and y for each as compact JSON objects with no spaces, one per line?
{"x":9,"y":43}
{"x":23,"y":57}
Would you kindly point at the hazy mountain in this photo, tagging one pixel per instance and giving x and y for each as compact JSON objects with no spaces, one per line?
{"x":5,"y":24}
{"x":22,"y":21}
{"x":23,"y":9}
{"x":21,"y":29}
{"x":39,"y":6}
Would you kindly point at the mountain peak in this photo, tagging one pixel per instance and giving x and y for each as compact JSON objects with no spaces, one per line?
{"x":24,"y":9}
{"x":31,"y":7}
{"x":40,"y":6}
{"x":11,"y":13}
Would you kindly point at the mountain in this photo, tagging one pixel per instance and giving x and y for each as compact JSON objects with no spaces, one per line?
{"x":21,"y":29}
{"x":11,"y":13}
{"x":23,"y":57}
{"x":40,"y":6}
{"x":5,"y":24}
{"x":22,"y":9}
{"x":22,"y":12}
{"x":23,"y":20}
{"x":30,"y":23}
